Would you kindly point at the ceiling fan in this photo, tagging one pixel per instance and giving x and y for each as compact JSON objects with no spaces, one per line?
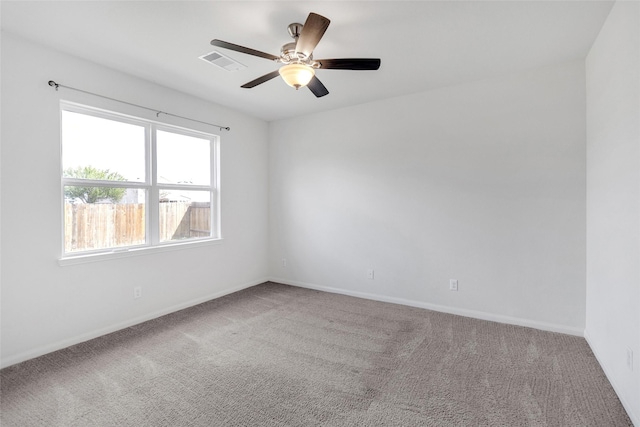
{"x":299,"y":66}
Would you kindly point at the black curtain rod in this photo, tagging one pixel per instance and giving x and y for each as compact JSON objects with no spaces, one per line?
{"x":158,"y":112}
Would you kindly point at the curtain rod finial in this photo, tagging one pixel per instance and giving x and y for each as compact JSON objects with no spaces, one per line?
{"x":158,"y":112}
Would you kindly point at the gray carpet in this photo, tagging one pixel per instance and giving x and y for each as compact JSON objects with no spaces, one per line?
{"x":276,"y":355}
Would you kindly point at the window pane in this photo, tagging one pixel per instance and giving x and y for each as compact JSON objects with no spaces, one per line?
{"x":103,"y":217}
{"x":183,"y":159}
{"x":98,"y":148}
{"x":184,"y":214}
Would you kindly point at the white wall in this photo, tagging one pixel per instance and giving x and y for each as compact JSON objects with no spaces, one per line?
{"x":46,"y":306}
{"x":482,"y":182}
{"x":613,"y":200}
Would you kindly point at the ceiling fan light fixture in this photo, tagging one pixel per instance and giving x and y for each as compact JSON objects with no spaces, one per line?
{"x":298,"y":65}
{"x":297,"y":75}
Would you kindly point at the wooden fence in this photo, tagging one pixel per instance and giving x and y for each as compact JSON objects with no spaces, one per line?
{"x":106,"y":225}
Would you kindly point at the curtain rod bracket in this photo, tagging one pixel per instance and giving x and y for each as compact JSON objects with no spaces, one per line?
{"x":158,"y":112}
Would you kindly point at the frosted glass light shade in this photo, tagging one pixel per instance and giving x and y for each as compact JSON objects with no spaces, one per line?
{"x":297,"y":75}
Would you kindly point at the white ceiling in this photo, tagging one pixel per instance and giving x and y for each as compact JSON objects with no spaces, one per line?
{"x":422,"y":44}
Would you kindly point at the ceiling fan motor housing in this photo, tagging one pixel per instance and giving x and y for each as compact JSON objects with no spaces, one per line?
{"x":289,"y":55}
{"x":288,"y":52}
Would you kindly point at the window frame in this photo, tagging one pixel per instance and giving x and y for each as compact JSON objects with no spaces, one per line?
{"x":150,"y":185}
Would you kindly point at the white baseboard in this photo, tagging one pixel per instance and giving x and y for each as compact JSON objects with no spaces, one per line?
{"x":21,"y":357}
{"x":441,"y":308}
{"x":635,"y":418}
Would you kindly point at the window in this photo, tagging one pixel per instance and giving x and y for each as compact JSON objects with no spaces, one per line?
{"x":133,"y":183}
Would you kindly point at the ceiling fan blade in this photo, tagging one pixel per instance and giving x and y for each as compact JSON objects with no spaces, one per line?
{"x":243,"y":49}
{"x":260,"y":80}
{"x":312,"y":31}
{"x":317,"y":87}
{"x":350,"y":64}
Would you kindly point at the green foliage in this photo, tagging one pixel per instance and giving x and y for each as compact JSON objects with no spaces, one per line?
{"x":93,"y":194}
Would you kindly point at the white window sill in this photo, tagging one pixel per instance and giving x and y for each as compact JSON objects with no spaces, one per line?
{"x":127,"y":253}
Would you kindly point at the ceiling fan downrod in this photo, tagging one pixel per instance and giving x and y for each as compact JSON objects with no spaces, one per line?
{"x":289,"y":54}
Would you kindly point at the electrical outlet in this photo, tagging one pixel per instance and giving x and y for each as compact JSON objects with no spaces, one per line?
{"x":453,"y":285}
{"x":137,"y":292}
{"x":284,"y":262}
{"x":370,"y":274}
{"x":630,"y":359}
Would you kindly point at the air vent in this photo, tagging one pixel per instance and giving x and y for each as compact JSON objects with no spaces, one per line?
{"x":224,"y":62}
